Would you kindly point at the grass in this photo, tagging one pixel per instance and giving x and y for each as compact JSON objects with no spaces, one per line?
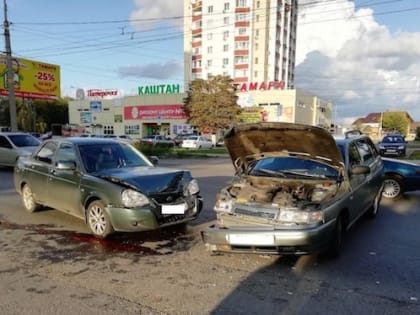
{"x":415,"y":155}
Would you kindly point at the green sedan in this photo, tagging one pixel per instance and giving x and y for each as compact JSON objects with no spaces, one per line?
{"x":107,"y":183}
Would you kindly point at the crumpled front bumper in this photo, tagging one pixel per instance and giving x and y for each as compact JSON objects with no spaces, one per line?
{"x":269,"y":240}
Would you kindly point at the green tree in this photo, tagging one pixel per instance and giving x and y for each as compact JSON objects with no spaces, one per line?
{"x":395,"y":122}
{"x":212,"y":104}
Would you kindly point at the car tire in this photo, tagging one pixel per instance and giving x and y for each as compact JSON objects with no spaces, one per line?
{"x":374,"y":208}
{"x":393,"y":187}
{"x":98,"y":220}
{"x":334,"y":248}
{"x":28,"y":199}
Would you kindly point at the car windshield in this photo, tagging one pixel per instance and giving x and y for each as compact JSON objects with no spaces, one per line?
{"x":393,"y":139}
{"x":291,"y":167}
{"x":98,"y":156}
{"x":24,"y":140}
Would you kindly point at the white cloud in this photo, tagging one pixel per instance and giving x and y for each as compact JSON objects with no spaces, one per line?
{"x":345,"y":56}
{"x":148,"y":13}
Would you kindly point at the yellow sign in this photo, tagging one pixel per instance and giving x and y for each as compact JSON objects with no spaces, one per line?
{"x":31,"y":79}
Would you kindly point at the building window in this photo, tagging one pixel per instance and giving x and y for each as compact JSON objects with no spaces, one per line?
{"x":132,"y":129}
{"x":256,"y":60}
{"x":210,"y":9}
{"x":241,"y":45}
{"x":258,"y":4}
{"x":241,"y":3}
{"x":242,"y":17}
{"x":210,"y":36}
{"x":209,"y":63}
{"x":257,"y":32}
{"x":108,"y":130}
{"x":242,"y":30}
{"x":210,"y":49}
{"x":255,"y":74}
{"x":226,"y":6}
{"x":225,"y":35}
{"x":225,"y":61}
{"x":226,"y":47}
{"x":226,"y":20}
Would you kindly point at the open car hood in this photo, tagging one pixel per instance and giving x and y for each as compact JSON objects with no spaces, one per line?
{"x":250,"y":142}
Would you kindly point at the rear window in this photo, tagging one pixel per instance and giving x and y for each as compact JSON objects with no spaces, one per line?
{"x":24,"y":140}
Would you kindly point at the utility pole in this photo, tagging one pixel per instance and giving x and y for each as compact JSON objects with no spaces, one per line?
{"x":10,"y":74}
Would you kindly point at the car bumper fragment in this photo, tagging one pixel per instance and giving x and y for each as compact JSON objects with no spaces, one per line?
{"x":275,"y":241}
{"x":144,"y":219}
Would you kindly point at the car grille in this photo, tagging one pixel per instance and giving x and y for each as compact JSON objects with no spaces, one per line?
{"x":168,"y":198}
{"x":263,"y":213}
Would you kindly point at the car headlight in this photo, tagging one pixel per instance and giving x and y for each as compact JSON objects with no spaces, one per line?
{"x":301,"y":217}
{"x":400,"y":147}
{"x":193,"y":187}
{"x":223,"y":205}
{"x":131,"y":198}
{"x":381,"y":147}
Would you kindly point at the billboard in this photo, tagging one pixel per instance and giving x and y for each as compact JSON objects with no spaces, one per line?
{"x":31,"y":79}
{"x":154,"y":112}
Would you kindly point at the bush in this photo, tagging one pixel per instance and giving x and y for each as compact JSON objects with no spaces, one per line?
{"x":159,"y":150}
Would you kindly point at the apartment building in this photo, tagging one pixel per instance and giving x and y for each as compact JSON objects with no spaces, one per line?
{"x":252,"y":41}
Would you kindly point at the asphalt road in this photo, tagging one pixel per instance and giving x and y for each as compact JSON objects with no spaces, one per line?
{"x":50,"y":265}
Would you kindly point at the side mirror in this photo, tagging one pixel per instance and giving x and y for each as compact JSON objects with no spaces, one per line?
{"x":154,"y":160}
{"x":360,"y":170}
{"x":66,"y":165}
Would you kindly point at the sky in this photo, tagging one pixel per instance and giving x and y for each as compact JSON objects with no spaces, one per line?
{"x":363,"y":56}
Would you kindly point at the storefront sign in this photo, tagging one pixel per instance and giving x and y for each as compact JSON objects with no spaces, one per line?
{"x":102,"y":93}
{"x":259,"y":86}
{"x":159,"y":89}
{"x":154,"y":112}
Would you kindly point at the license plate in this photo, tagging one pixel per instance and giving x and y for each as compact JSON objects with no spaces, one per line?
{"x":174,"y":209}
{"x":244,"y":239}
{"x":391,"y":150}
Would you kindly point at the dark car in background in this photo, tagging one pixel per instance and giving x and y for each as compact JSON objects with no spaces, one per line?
{"x":108,"y":184}
{"x":393,"y":145}
{"x":296,"y":190}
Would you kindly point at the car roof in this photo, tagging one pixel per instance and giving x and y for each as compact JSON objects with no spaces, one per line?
{"x":85,"y":140}
{"x":12,"y":133}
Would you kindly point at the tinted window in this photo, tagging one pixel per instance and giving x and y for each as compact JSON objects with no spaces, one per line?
{"x":4,"y":143}
{"x":393,"y":139}
{"x":24,"y":140}
{"x":65,"y":153}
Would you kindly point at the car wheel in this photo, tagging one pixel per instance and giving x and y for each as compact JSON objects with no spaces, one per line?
{"x":335,"y":245}
{"x":98,"y":219}
{"x":373,"y":210}
{"x":28,"y":199}
{"x":392,"y":187}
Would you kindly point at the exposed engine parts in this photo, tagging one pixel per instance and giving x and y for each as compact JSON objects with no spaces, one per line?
{"x":282,"y":194}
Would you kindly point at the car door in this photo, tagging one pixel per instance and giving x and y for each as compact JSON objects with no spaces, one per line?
{"x":370,"y":157}
{"x":360,"y":191}
{"x":64,"y":184}
{"x":37,"y":172}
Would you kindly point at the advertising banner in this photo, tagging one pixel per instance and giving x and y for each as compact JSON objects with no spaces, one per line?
{"x":31,"y":79}
{"x":154,"y":112}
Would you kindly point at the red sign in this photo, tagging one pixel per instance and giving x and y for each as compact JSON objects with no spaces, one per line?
{"x":154,"y":112}
{"x":255,"y":86}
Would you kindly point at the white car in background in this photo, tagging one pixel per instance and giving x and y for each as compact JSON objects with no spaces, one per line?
{"x":15,"y":144}
{"x":197,"y":142}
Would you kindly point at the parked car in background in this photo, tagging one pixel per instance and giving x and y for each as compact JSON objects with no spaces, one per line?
{"x":15,"y":144}
{"x":220,"y":142}
{"x":108,"y":184}
{"x":181,"y":137}
{"x":197,"y":142}
{"x":296,"y":190}
{"x":157,"y":140}
{"x":400,"y":176}
{"x":393,"y":145}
